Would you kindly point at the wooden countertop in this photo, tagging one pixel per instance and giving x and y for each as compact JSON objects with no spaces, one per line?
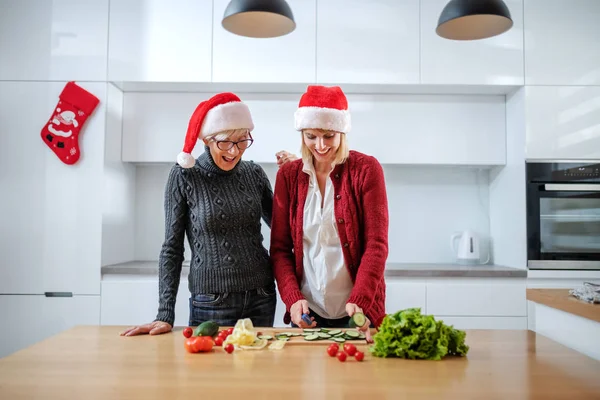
{"x":562,"y":300}
{"x":96,"y":363}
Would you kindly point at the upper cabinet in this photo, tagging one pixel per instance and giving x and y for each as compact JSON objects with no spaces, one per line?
{"x":563,"y":122}
{"x":160,"y":41}
{"x":43,"y":40}
{"x":562,"y":42}
{"x":494,"y":61}
{"x":287,"y":59}
{"x":376,"y":43}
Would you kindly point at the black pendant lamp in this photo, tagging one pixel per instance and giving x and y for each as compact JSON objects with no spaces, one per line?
{"x":259,"y":18}
{"x":473,"y":19}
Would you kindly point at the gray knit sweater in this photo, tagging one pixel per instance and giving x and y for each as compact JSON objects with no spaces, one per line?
{"x":220,"y":212}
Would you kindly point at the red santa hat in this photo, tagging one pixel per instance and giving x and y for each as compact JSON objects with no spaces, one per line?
{"x":323,"y":107}
{"x":222,"y":112}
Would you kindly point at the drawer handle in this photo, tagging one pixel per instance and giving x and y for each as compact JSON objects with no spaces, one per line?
{"x":58,"y":294}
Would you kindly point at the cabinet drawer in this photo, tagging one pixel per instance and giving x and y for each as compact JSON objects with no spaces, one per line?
{"x":402,"y":295}
{"x":477,"y":298}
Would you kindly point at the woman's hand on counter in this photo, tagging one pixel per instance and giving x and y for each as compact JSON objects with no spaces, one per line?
{"x":153,"y":328}
{"x":298,"y":308}
{"x":351,"y":309}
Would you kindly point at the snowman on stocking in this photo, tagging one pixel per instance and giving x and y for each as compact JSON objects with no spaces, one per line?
{"x":61,"y":133}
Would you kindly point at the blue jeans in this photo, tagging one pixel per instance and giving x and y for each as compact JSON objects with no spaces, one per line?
{"x":227,"y":308}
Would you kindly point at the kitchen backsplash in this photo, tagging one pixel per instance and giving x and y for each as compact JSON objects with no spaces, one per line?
{"x":426,"y":205}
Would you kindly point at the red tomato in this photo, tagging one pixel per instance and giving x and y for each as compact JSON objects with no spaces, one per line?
{"x":190,"y":345}
{"x":206,"y":343}
{"x":332,"y":350}
{"x":229,"y":331}
{"x":219,"y":341}
{"x":223,"y":334}
{"x":350,"y":349}
{"x":341,"y":356}
{"x":188,"y":332}
{"x":229,"y":348}
{"x":359,"y":356}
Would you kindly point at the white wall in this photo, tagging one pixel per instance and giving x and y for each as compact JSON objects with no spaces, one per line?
{"x":426,"y":205}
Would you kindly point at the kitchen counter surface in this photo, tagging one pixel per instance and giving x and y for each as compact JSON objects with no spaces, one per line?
{"x":560,"y":299}
{"x":94,"y":362}
{"x":149,"y":269}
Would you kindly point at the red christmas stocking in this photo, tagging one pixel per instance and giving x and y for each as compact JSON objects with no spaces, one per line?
{"x":61,"y":133}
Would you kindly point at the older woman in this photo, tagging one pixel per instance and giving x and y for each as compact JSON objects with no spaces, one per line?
{"x":218,"y":201}
{"x":329,"y":234}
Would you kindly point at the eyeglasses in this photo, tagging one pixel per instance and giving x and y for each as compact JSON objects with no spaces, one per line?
{"x":228,"y":144}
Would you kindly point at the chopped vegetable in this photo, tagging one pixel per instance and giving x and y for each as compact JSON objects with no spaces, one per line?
{"x":358,"y":320}
{"x":409,"y":334}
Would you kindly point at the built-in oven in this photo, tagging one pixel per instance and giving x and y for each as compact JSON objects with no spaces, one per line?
{"x":563,"y":215}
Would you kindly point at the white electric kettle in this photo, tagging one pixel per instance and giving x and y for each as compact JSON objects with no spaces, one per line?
{"x":467,"y":251}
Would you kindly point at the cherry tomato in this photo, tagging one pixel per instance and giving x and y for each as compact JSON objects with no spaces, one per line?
{"x":229,"y":331}
{"x":359,"y":356}
{"x":223,"y":335}
{"x":341,"y":356}
{"x":332,"y":350}
{"x":350,"y":349}
{"x":219,"y":341}
{"x":188,"y":332}
{"x":229,"y":348}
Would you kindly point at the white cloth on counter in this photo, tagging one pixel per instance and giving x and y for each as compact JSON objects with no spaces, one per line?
{"x":589,"y":292}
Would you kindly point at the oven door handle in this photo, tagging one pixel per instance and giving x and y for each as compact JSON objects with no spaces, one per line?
{"x":572,"y":187}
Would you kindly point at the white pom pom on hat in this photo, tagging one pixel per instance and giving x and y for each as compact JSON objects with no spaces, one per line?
{"x":222,"y":112}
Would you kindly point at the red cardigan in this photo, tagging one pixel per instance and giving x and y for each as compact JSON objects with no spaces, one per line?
{"x":361,"y":210}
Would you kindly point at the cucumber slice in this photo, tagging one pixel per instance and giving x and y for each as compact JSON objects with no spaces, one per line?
{"x":312,"y":337}
{"x":352,"y":334}
{"x":335,"y":332}
{"x":266,"y":337}
{"x":297,"y":334}
{"x":358,"y":320}
{"x":323,"y":335}
{"x":311,"y":330}
{"x":339,"y":339}
{"x":324,"y":330}
{"x":284,"y":338}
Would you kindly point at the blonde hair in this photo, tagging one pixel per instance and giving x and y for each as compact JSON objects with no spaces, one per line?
{"x":340,"y":156}
{"x":226,"y":135}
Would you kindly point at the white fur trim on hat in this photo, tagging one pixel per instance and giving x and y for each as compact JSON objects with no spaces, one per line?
{"x":330,"y":119}
{"x":186,"y":160}
{"x":224,"y":117}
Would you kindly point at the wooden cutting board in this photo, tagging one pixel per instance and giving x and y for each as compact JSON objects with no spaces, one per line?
{"x":299,"y":340}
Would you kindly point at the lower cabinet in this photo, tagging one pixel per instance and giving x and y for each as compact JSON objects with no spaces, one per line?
{"x":134,"y":301}
{"x":466,"y":303}
{"x":28,"y":319}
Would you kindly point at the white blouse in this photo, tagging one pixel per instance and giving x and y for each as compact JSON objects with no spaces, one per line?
{"x":326,"y":283}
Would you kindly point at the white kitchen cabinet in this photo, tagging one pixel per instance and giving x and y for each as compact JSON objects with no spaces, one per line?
{"x":477,"y":297}
{"x":53,"y":40}
{"x":562,"y":42}
{"x":376,"y":43}
{"x":154,"y":125}
{"x":133,"y":300}
{"x":511,"y":323}
{"x":397,"y":129}
{"x":563,"y":122}
{"x":160,"y":41}
{"x":285,"y":59}
{"x":51,"y":212}
{"x":429,"y":129}
{"x":493,"y":61}
{"x":404,"y":293}
{"x":31,"y":319}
